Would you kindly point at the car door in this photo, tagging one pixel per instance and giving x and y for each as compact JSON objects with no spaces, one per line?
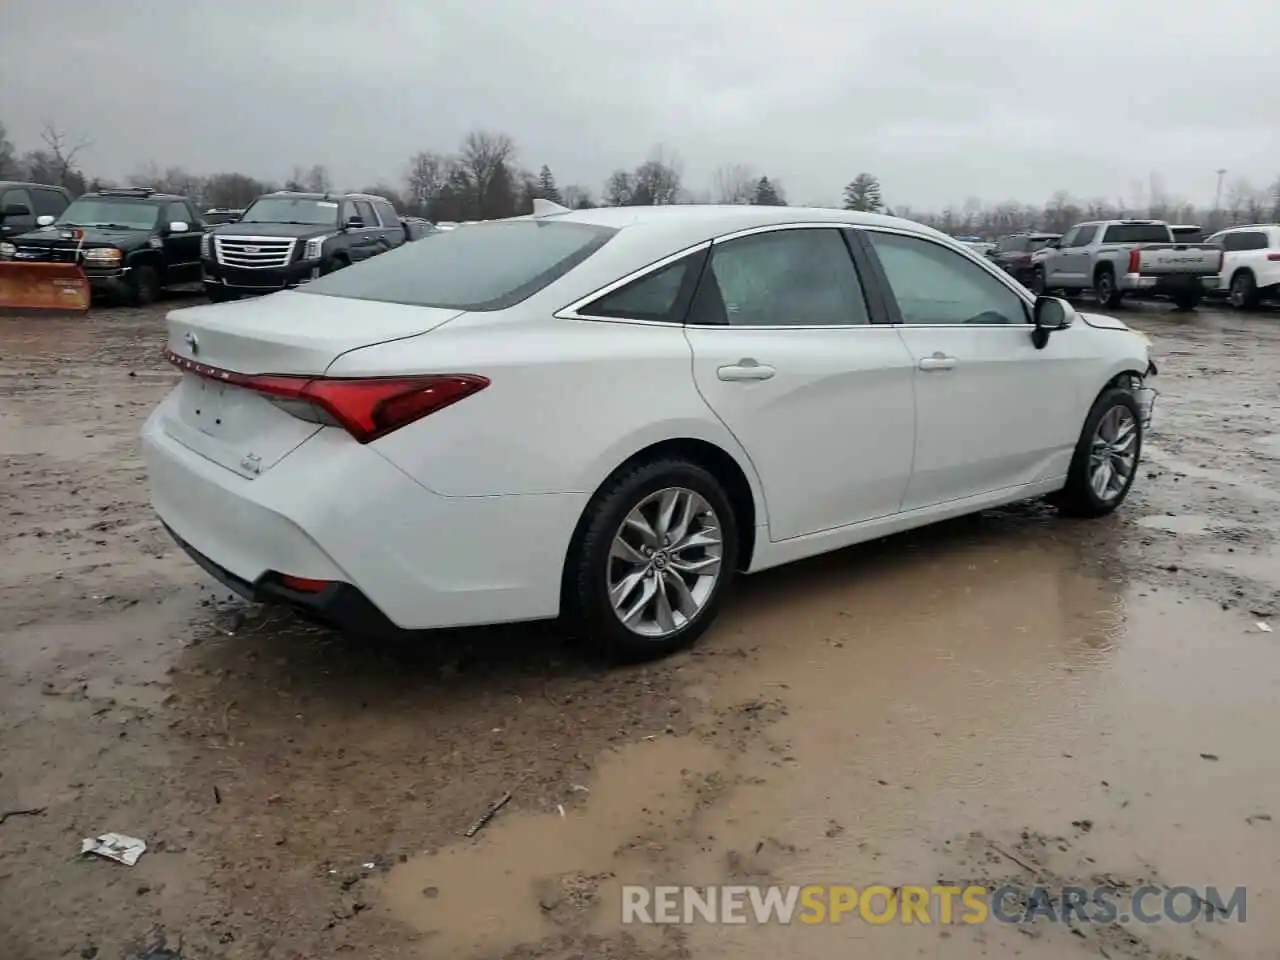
{"x":181,"y":247}
{"x":992,"y":411}
{"x":786,"y":356}
{"x":1074,"y":264}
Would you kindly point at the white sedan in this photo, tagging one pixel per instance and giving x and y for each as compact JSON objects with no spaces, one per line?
{"x":608,"y":414}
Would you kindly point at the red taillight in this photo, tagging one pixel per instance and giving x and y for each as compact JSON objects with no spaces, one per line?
{"x":367,"y":408}
{"x":1273,"y":257}
{"x":1135,"y":261}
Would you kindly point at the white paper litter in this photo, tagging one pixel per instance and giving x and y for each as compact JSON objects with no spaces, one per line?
{"x":115,"y":846}
{"x":1264,"y":626}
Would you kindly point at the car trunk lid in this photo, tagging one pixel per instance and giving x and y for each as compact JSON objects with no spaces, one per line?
{"x":286,"y":333}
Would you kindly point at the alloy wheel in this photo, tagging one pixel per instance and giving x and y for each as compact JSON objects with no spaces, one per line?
{"x":1112,"y":455}
{"x":664,"y":562}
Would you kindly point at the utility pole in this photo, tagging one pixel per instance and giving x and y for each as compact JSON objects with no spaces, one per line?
{"x":1217,"y":197}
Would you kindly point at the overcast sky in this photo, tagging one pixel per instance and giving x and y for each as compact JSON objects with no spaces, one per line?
{"x":942,"y":100}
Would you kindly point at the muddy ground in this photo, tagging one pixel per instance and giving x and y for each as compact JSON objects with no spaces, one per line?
{"x":1007,"y":698}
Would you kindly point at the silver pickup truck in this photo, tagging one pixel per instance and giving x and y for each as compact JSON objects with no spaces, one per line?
{"x":1115,"y":257}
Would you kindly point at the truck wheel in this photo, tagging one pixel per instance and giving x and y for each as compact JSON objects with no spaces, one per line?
{"x":1106,"y":458}
{"x":1104,"y":289}
{"x":1186,"y":299}
{"x":145,"y":286}
{"x":1244,"y":291}
{"x":334,"y":265}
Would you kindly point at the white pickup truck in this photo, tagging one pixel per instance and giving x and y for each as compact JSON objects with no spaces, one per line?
{"x":1115,"y":257}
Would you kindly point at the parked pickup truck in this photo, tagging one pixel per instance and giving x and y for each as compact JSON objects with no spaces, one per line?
{"x":1116,"y":257}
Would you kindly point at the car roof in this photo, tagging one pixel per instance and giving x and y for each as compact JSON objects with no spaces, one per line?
{"x":6,"y":184}
{"x":150,"y":197}
{"x":312,"y":195}
{"x":680,"y":225}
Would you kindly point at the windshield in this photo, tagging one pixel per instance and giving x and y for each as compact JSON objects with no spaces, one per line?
{"x":486,"y":266}
{"x":100,"y":212}
{"x":1136,"y":233}
{"x":321,"y":213}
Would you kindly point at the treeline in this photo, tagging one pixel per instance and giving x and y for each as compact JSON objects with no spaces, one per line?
{"x":485,"y":179}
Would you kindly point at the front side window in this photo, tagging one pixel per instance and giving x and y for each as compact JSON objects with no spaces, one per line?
{"x":300,"y":210}
{"x":934,"y":285}
{"x":483,"y":266}
{"x":48,"y":203}
{"x":177,"y":213}
{"x":1085,"y":236}
{"x":1069,"y":238}
{"x":799,"y":277}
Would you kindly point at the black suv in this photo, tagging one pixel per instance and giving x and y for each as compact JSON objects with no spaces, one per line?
{"x":1013,"y":253}
{"x":135,"y":242}
{"x":25,"y":206}
{"x":287,"y":238}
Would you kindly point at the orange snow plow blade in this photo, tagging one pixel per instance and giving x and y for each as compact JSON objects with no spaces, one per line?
{"x":43,"y":288}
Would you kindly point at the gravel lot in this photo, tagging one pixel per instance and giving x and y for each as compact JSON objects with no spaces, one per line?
{"x":956,"y":703}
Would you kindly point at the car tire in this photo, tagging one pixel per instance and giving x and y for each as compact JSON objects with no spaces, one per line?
{"x":675,"y":591}
{"x":1186,"y":300}
{"x":1243,"y":292}
{"x":1104,"y":289}
{"x":1112,"y":435}
{"x":334,"y":265}
{"x":144,"y":286}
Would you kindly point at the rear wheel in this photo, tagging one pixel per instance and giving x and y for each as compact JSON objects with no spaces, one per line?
{"x":1104,"y":289}
{"x":1106,"y":458}
{"x":145,"y":286}
{"x":1244,"y":291}
{"x":653,"y":558}
{"x":337,"y":263}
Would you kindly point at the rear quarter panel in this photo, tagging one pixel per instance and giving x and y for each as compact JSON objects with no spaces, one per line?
{"x":569,"y":401}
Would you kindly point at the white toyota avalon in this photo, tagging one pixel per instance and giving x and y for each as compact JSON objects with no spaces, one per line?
{"x":609,"y":414}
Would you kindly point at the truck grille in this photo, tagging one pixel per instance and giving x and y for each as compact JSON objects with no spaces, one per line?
{"x":253,"y":253}
{"x":46,"y":254}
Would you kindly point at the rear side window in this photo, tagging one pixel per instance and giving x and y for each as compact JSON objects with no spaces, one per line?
{"x":1136,"y":233}
{"x":387,"y":213}
{"x":802,"y":277}
{"x":484,"y":266}
{"x":1245,"y":240}
{"x":656,"y":296}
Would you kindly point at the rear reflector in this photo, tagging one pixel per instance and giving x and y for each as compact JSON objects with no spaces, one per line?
{"x":304,"y":584}
{"x":367,"y":408}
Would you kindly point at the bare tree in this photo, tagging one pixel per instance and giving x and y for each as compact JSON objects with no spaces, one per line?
{"x":174,"y":180}
{"x":426,"y":179}
{"x":485,"y":159}
{"x":619,"y":189}
{"x":64,"y":150}
{"x":317,"y":179}
{"x":657,"y":180}
{"x":734,"y":183}
{"x":8,"y":159}
{"x":577,"y":198}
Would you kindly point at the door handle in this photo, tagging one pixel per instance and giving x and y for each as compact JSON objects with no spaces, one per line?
{"x":746,"y":369}
{"x":937,"y":362}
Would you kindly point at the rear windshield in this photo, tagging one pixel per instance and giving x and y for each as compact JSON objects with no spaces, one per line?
{"x":1136,"y":233}
{"x":1187,"y":234}
{"x":1013,"y":244}
{"x":485,"y":266}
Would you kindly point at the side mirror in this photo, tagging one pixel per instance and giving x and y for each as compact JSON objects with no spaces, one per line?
{"x":355,"y":223}
{"x":179,"y":226}
{"x":45,"y":220}
{"x":1050,"y":314}
{"x":1054,"y":244}
{"x":15,"y":210}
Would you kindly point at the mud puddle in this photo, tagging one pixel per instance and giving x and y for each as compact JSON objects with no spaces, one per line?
{"x":926,"y":708}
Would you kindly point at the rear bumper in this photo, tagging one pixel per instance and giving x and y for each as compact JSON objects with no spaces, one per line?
{"x":334,"y":510}
{"x":259,"y":281}
{"x":1167,"y":283}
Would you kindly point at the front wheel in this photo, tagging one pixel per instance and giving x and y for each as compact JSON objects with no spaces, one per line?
{"x":145,"y":286}
{"x":653,"y":558}
{"x":1106,"y":457}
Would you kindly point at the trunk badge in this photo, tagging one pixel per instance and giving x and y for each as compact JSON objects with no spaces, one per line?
{"x":193,"y":342}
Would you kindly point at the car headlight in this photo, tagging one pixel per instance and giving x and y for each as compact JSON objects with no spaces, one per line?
{"x":314,"y":247}
{"x":206,"y":245}
{"x":102,"y":255}
{"x":7,"y":249}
